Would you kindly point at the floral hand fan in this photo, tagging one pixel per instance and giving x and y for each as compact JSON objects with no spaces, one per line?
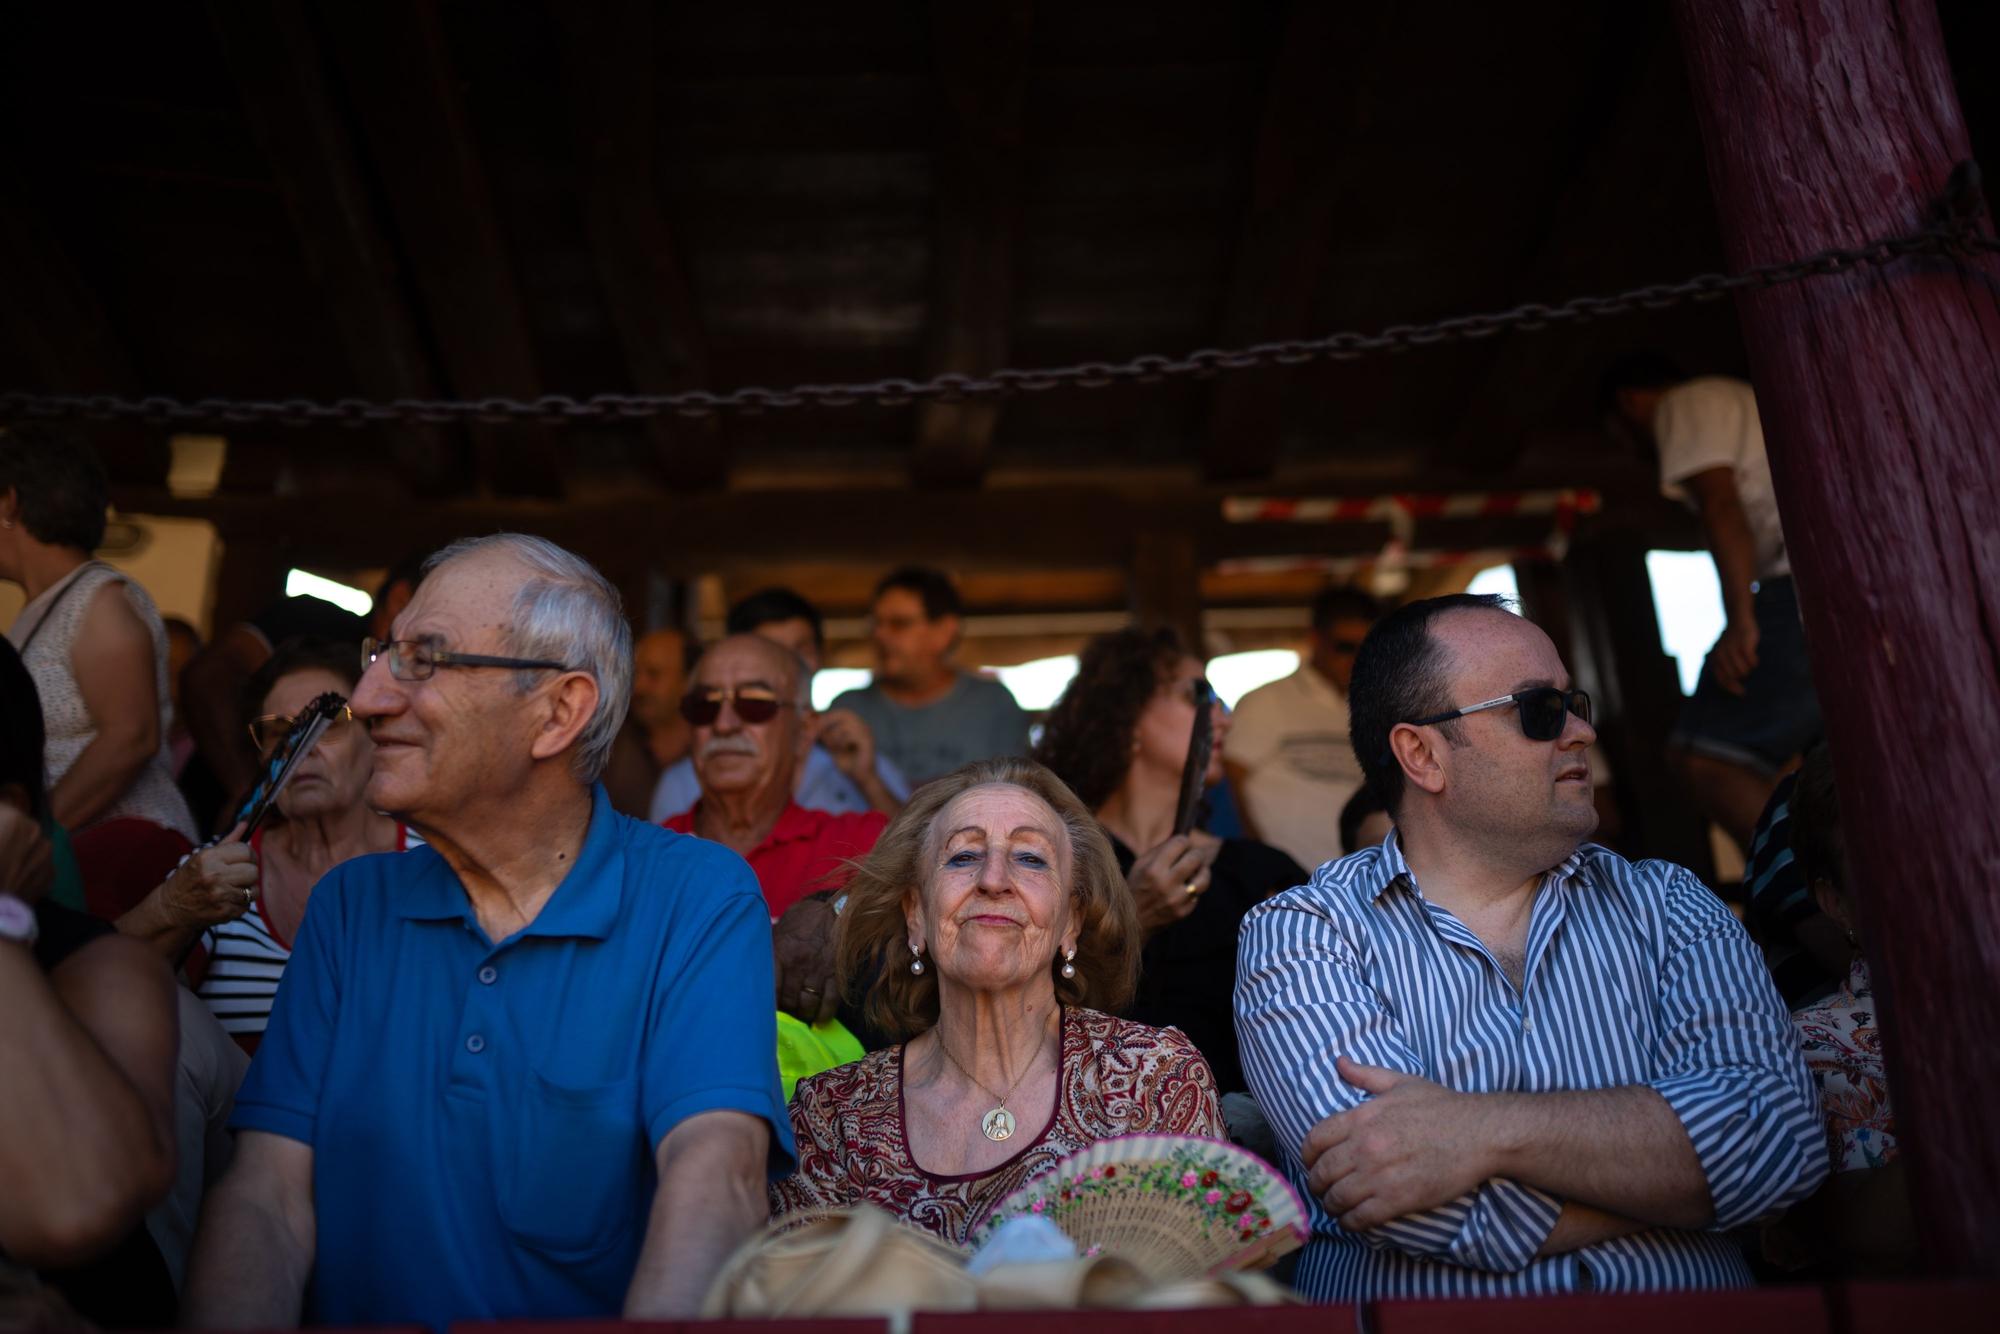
{"x":1177,"y":1206}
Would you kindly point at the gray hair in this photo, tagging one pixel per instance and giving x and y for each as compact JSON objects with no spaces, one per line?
{"x":567,"y":611}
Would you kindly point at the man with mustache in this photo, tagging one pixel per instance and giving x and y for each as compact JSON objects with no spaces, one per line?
{"x":753,"y":727}
{"x":1501,"y":1059}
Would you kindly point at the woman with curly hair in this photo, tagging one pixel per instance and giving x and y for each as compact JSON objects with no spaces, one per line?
{"x":1119,"y":737}
{"x":1007,"y":933}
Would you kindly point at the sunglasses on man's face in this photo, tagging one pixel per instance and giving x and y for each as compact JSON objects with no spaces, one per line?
{"x":754,"y":704}
{"x":1544,"y":711}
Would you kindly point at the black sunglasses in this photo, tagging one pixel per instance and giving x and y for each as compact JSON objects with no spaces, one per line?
{"x":1544,"y":711}
{"x":754,"y":704}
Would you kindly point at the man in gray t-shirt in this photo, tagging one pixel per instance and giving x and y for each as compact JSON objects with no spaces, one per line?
{"x":929,"y":717}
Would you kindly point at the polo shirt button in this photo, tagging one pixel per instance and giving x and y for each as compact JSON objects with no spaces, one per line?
{"x":475,"y":1044}
{"x":488,"y":974}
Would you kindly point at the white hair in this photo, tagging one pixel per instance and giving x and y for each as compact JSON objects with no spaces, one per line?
{"x":567,"y":612}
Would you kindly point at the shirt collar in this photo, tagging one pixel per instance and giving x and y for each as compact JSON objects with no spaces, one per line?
{"x":1394,"y":870}
{"x":795,"y":824}
{"x":586,"y":903}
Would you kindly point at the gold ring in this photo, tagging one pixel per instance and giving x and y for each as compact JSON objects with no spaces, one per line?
{"x":1193,"y":890}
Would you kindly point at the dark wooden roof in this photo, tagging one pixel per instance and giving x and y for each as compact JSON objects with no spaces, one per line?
{"x":385,"y":198}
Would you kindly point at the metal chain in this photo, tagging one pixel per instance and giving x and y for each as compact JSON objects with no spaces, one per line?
{"x":1955,"y":233}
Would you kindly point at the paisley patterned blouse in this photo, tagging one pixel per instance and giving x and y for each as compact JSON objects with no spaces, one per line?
{"x":1843,"y":1049}
{"x":1118,"y":1078}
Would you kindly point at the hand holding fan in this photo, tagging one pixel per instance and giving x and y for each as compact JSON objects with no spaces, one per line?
{"x":283,"y":759}
{"x":1176,"y":1206}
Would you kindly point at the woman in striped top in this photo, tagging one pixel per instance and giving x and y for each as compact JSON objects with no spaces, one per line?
{"x":243,"y":904}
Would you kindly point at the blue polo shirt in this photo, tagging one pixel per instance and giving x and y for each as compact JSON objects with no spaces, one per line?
{"x":483,"y":1116}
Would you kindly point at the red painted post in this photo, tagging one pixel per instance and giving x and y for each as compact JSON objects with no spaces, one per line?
{"x":1830,"y":122}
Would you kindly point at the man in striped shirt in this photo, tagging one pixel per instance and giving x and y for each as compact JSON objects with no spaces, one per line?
{"x":1500,"y":1059}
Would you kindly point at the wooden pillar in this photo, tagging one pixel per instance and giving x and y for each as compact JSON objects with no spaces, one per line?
{"x":1828,"y":122}
{"x":1166,"y":587}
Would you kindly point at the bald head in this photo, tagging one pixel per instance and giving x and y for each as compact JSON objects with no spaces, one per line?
{"x":752,"y":657}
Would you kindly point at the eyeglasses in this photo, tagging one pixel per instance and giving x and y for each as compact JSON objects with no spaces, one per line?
{"x":270,"y":729}
{"x":754,"y":704}
{"x":418,"y":659}
{"x":1544,"y":711}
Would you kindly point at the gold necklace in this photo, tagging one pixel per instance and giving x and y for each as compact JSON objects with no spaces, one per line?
{"x":998,"y":1123}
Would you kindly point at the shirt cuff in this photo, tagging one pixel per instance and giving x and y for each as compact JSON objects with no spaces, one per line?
{"x":1506,"y":1227}
{"x":1712,"y":1110}
{"x":751,"y":1102}
{"x":1498,"y":1228}
{"x":274,"y":1121}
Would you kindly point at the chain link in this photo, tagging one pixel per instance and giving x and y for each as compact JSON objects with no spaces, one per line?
{"x":1954,"y":234}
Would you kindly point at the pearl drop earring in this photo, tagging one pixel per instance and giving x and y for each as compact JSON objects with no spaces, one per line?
{"x":916,"y":962}
{"x":1069,"y":965}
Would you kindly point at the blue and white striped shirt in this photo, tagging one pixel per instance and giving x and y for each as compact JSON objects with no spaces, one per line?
{"x":1636,"y":975}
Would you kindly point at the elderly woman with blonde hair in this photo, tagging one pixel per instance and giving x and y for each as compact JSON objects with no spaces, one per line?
{"x":993,"y":931}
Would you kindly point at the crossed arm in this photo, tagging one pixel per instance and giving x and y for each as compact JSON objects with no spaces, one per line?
{"x":1724,"y":1132}
{"x":1618,"y":1159}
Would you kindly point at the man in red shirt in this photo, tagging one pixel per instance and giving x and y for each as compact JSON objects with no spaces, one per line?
{"x":752,"y":726}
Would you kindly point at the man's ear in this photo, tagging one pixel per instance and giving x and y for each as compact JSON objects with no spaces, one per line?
{"x":1416,"y":750}
{"x":951,"y":628}
{"x":571,"y":704}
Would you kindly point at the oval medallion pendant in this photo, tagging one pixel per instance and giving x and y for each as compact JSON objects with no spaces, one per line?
{"x":997,"y":1125}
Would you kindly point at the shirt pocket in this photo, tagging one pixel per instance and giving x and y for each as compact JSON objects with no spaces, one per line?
{"x":572,"y":1168}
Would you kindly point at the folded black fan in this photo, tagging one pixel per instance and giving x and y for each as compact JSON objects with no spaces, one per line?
{"x":279,"y":765}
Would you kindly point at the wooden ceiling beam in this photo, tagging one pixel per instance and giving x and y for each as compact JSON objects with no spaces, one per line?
{"x":995,"y":528}
{"x":981,"y":51}
{"x":275,"y":60}
{"x":608,"y":59}
{"x":1319,"y":89}
{"x":397,"y":73}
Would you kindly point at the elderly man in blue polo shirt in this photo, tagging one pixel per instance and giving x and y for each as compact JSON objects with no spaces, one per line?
{"x":1502,"y":1060}
{"x":528,"y":1069}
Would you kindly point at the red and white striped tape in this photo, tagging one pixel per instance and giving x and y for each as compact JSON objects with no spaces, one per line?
{"x":1342,"y":566}
{"x":1564,"y":504}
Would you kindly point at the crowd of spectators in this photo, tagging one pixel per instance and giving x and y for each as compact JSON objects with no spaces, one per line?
{"x":489,"y":1019}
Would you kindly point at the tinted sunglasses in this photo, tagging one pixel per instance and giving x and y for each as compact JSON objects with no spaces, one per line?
{"x":754,"y":704}
{"x":1544,"y":711}
{"x":270,"y":729}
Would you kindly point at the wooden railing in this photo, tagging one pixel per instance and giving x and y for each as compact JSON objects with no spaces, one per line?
{"x":1841,"y":1308}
